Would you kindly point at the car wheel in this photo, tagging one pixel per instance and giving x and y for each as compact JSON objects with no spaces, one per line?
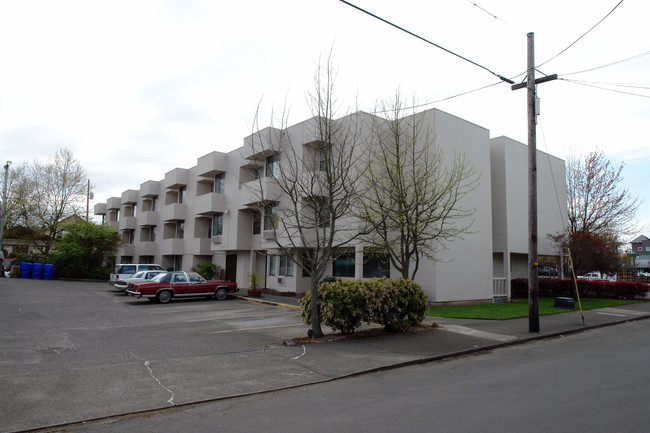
{"x":164,"y":297}
{"x":221,"y":294}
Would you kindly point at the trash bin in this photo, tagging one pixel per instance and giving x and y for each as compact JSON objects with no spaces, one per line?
{"x":25,"y":270}
{"x":37,"y":271}
{"x":48,"y":270}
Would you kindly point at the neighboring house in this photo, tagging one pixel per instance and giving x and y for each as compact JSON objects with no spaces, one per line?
{"x":641,"y":246}
{"x":206,"y":213}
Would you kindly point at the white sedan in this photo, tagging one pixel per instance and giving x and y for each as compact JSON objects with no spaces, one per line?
{"x":138,"y":277}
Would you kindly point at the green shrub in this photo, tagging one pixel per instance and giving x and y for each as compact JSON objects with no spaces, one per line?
{"x":344,"y":305}
{"x":207,"y":270}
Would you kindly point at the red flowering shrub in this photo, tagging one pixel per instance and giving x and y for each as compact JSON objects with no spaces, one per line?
{"x":552,"y":287}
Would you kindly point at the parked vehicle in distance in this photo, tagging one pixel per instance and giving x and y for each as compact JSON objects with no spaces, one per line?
{"x":126,"y":270}
{"x":176,"y":284}
{"x":122,"y":284}
{"x":546,"y":271}
{"x":590,"y":276}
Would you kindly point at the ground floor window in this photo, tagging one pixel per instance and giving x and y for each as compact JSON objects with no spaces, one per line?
{"x":343,"y":265}
{"x":283,"y":265}
{"x":376,"y":265}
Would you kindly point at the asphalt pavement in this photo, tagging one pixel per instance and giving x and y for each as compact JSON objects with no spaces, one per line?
{"x":290,"y":361}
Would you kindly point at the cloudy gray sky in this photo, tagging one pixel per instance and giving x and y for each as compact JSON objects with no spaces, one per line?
{"x":136,"y":88}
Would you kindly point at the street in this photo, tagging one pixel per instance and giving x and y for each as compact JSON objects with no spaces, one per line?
{"x":596,"y":381}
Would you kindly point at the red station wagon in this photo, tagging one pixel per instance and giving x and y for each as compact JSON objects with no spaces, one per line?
{"x":164,"y":287}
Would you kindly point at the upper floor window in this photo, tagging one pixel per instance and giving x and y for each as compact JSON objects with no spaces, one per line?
{"x":273,"y":166}
{"x":180,"y":229}
{"x":376,"y":265}
{"x":182,"y":194}
{"x":219,"y":183}
{"x":323,"y":158}
{"x":154,"y":203}
{"x":217,"y":225}
{"x":257,"y":222}
{"x":270,"y":218}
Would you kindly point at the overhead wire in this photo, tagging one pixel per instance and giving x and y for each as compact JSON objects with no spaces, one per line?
{"x":501,"y":77}
{"x":583,"y":35}
{"x":609,"y":64}
{"x":602,"y":88}
{"x":495,"y":17}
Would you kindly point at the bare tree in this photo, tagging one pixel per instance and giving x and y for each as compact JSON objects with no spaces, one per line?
{"x":598,"y":203}
{"x":307,"y":187}
{"x":411,"y":202}
{"x":44,"y":194}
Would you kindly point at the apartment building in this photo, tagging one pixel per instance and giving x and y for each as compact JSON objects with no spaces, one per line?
{"x":211,"y":213}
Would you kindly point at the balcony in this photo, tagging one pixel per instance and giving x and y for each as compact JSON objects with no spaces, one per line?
{"x":129,"y":196}
{"x":100,"y":209}
{"x":150,"y":188}
{"x":176,"y":178}
{"x":127,"y":223}
{"x":211,"y":164}
{"x":174,"y":247}
{"x":210,"y":204}
{"x":146,"y":248}
{"x":175,"y":212}
{"x":127,"y":250}
{"x":113,"y":203}
{"x":114,"y":225}
{"x":200,"y":246}
{"x":266,"y":189}
{"x":148,"y":218}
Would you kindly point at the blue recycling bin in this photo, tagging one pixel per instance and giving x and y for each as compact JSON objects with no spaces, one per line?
{"x":25,"y":270}
{"x":48,"y":271}
{"x":37,"y":271}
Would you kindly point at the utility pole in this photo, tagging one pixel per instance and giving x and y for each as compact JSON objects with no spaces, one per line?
{"x":533,"y":291}
{"x":4,"y":212}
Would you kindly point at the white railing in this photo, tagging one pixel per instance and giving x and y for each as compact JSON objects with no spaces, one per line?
{"x":500,"y":288}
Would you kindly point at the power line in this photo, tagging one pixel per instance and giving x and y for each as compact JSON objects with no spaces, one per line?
{"x":584,"y":34}
{"x":602,"y":88}
{"x":609,"y":64}
{"x":507,"y":80}
{"x":495,"y":17}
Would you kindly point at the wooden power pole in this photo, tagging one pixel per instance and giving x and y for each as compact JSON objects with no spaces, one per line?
{"x":533,"y":296}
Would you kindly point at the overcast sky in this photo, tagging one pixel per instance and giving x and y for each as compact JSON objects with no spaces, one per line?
{"x":136,"y":88}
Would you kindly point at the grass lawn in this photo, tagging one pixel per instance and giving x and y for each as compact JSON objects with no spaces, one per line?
{"x":518,"y":308}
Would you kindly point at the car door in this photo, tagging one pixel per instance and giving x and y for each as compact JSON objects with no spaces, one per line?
{"x":198,"y":285}
{"x":180,"y":284}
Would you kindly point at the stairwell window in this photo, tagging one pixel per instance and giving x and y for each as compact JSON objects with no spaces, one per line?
{"x":219,"y":183}
{"x":217,"y":225}
{"x":273,"y":166}
{"x":182,"y":192}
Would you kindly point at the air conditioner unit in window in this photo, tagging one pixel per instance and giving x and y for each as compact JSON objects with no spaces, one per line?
{"x":280,"y":280}
{"x":216,"y":239}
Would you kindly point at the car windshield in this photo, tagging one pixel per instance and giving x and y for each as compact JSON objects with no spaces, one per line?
{"x":138,"y":275}
{"x":163,"y":278}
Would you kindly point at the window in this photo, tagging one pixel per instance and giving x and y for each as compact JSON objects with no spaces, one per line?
{"x":647,"y":249}
{"x":343,"y":265}
{"x":306,"y":265}
{"x":154,"y":203}
{"x":257,"y":222}
{"x":323,"y":213}
{"x":376,"y":265}
{"x":217,"y":225}
{"x":180,"y":229}
{"x":179,"y":278}
{"x":270,"y":218}
{"x":272,"y":265}
{"x":152,"y":234}
{"x":323,"y":158}
{"x":273,"y":166}
{"x":283,"y":264}
{"x":259,"y":173}
{"x":219,"y":183}
{"x":182,"y":192}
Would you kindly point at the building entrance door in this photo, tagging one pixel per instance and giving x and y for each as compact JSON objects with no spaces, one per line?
{"x":231,"y":267}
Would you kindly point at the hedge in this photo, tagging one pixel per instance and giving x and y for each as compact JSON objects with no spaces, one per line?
{"x":552,"y":287}
{"x":396,"y":304}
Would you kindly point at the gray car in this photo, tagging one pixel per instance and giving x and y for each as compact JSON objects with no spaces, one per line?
{"x":136,"y":278}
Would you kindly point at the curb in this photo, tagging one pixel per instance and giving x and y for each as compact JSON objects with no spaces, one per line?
{"x":265,"y":302}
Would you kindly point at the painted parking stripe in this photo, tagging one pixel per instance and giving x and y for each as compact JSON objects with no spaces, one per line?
{"x":235,"y":317}
{"x":476,"y":333}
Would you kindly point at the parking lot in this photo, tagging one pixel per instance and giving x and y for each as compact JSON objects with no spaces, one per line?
{"x":72,"y":351}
